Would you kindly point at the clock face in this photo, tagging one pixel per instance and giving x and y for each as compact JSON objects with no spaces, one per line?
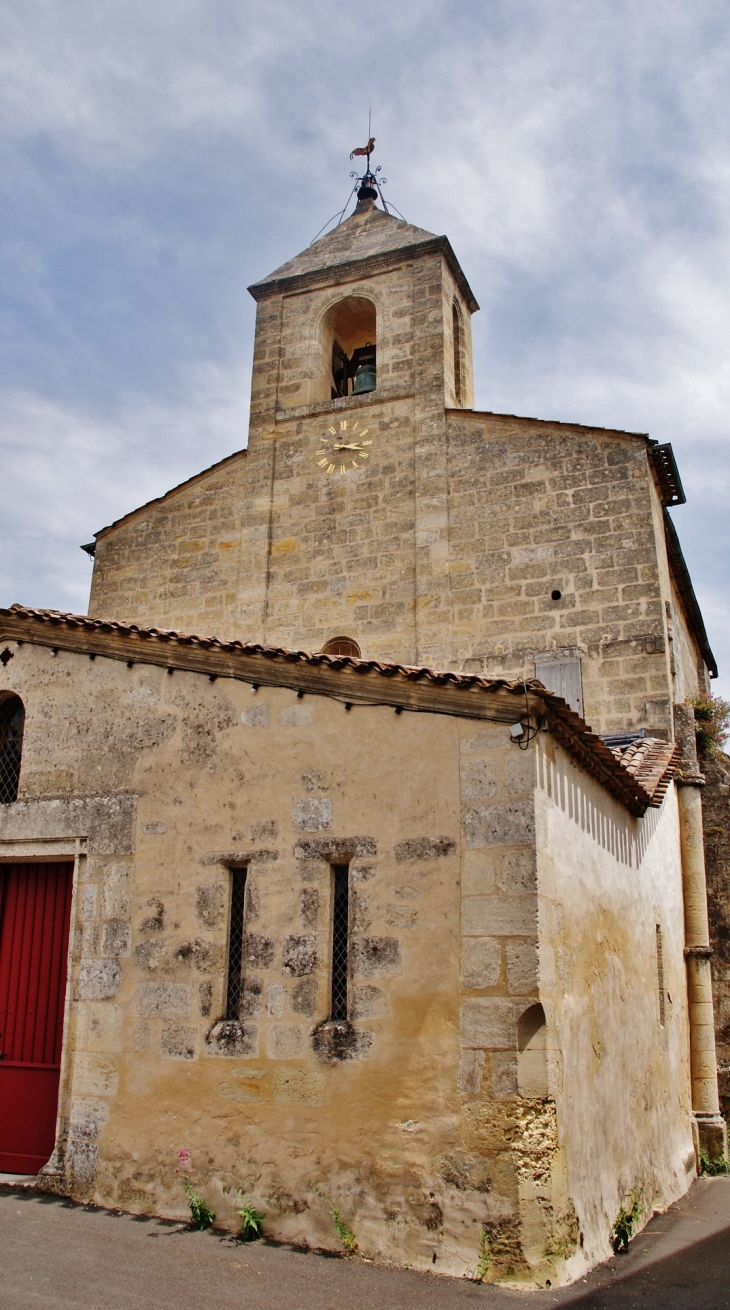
{"x":344,"y":447}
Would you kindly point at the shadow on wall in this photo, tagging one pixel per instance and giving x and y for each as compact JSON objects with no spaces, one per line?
{"x":532,"y":1067}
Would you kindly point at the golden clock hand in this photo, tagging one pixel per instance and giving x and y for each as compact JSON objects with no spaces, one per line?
{"x":348,"y":446}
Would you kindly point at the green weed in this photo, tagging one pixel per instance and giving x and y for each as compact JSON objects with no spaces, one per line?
{"x":713,"y":1167}
{"x":201,"y":1215}
{"x":344,"y":1232}
{"x":252,"y":1221}
{"x":623,"y":1225}
{"x":712,"y":721}
{"x":483,"y":1262}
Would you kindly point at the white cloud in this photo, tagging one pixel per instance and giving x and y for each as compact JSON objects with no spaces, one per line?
{"x":158,"y":157}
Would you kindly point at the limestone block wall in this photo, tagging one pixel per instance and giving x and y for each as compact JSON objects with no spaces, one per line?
{"x":305,"y":352}
{"x":177,"y":563}
{"x":715,"y":766}
{"x":342,"y":557}
{"x":612,"y":982}
{"x":540,"y":507}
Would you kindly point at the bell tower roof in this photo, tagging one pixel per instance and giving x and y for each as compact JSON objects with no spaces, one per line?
{"x":368,"y":241}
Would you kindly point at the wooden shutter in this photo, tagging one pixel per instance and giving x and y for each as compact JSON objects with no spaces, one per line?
{"x":563,"y":678}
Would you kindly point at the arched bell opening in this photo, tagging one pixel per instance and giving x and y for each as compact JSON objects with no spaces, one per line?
{"x":349,"y":348}
{"x":12,"y":723}
{"x":532,"y":1063}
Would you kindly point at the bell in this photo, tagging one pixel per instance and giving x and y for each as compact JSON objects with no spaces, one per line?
{"x":364,"y":378}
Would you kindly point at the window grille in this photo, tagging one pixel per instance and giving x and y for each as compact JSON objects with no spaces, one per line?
{"x":660,"y":974}
{"x":340,"y":939}
{"x":235,"y":943}
{"x":12,"y":720}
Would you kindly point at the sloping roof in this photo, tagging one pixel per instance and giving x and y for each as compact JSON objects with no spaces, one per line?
{"x":652,"y":762}
{"x":355,"y":682}
{"x":368,"y":239}
{"x":467,"y":414}
{"x":366,"y":232}
{"x":692,"y":610}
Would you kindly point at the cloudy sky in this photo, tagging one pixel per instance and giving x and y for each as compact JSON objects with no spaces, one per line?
{"x":157,"y":158}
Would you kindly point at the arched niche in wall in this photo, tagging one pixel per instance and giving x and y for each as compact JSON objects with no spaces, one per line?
{"x":12,"y":723}
{"x":348,"y":346}
{"x":532,"y":1065}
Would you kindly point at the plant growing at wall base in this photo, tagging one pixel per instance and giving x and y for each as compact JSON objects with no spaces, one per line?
{"x":252,"y":1221}
{"x":712,"y":721}
{"x":482,"y":1268}
{"x":623,"y":1225}
{"x":344,"y":1232}
{"x":713,"y":1166}
{"x":201,"y":1215}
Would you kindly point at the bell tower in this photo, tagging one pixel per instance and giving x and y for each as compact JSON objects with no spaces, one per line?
{"x":333,"y":524}
{"x":363,"y":343}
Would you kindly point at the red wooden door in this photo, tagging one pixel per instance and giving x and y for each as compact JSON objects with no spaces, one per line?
{"x":35,"y":910}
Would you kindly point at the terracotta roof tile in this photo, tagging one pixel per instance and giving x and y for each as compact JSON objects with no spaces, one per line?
{"x":637,"y":777}
{"x":652,"y":762}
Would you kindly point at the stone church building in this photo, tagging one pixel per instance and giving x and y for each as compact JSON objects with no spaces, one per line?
{"x":310,"y":862}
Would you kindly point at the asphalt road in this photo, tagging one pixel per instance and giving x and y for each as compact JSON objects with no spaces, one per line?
{"x":54,"y":1253}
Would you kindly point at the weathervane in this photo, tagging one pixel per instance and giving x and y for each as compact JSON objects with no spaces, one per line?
{"x":368,"y":185}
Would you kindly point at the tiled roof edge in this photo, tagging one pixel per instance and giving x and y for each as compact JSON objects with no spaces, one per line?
{"x":46,"y":627}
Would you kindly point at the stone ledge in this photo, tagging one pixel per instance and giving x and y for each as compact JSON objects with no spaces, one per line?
{"x":346,"y":403}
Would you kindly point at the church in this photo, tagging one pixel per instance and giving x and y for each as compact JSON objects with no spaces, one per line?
{"x":310,"y":863}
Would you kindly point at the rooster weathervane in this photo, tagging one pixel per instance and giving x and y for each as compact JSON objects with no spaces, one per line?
{"x":367,"y":186}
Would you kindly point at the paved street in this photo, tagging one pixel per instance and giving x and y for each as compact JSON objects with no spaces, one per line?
{"x":57,"y":1254}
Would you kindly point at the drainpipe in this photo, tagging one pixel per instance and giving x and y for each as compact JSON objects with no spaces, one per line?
{"x":711,"y":1130}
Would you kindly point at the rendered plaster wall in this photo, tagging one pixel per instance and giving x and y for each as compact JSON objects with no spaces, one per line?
{"x":414,"y":1118}
{"x":619,"y":1076}
{"x":209,"y":775}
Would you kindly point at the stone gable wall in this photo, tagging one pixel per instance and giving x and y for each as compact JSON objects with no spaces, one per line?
{"x":549,"y":507}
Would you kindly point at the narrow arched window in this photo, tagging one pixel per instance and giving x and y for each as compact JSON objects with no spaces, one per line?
{"x":458,"y":334}
{"x":532,"y":1065}
{"x":342,"y":646}
{"x":12,"y":720}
